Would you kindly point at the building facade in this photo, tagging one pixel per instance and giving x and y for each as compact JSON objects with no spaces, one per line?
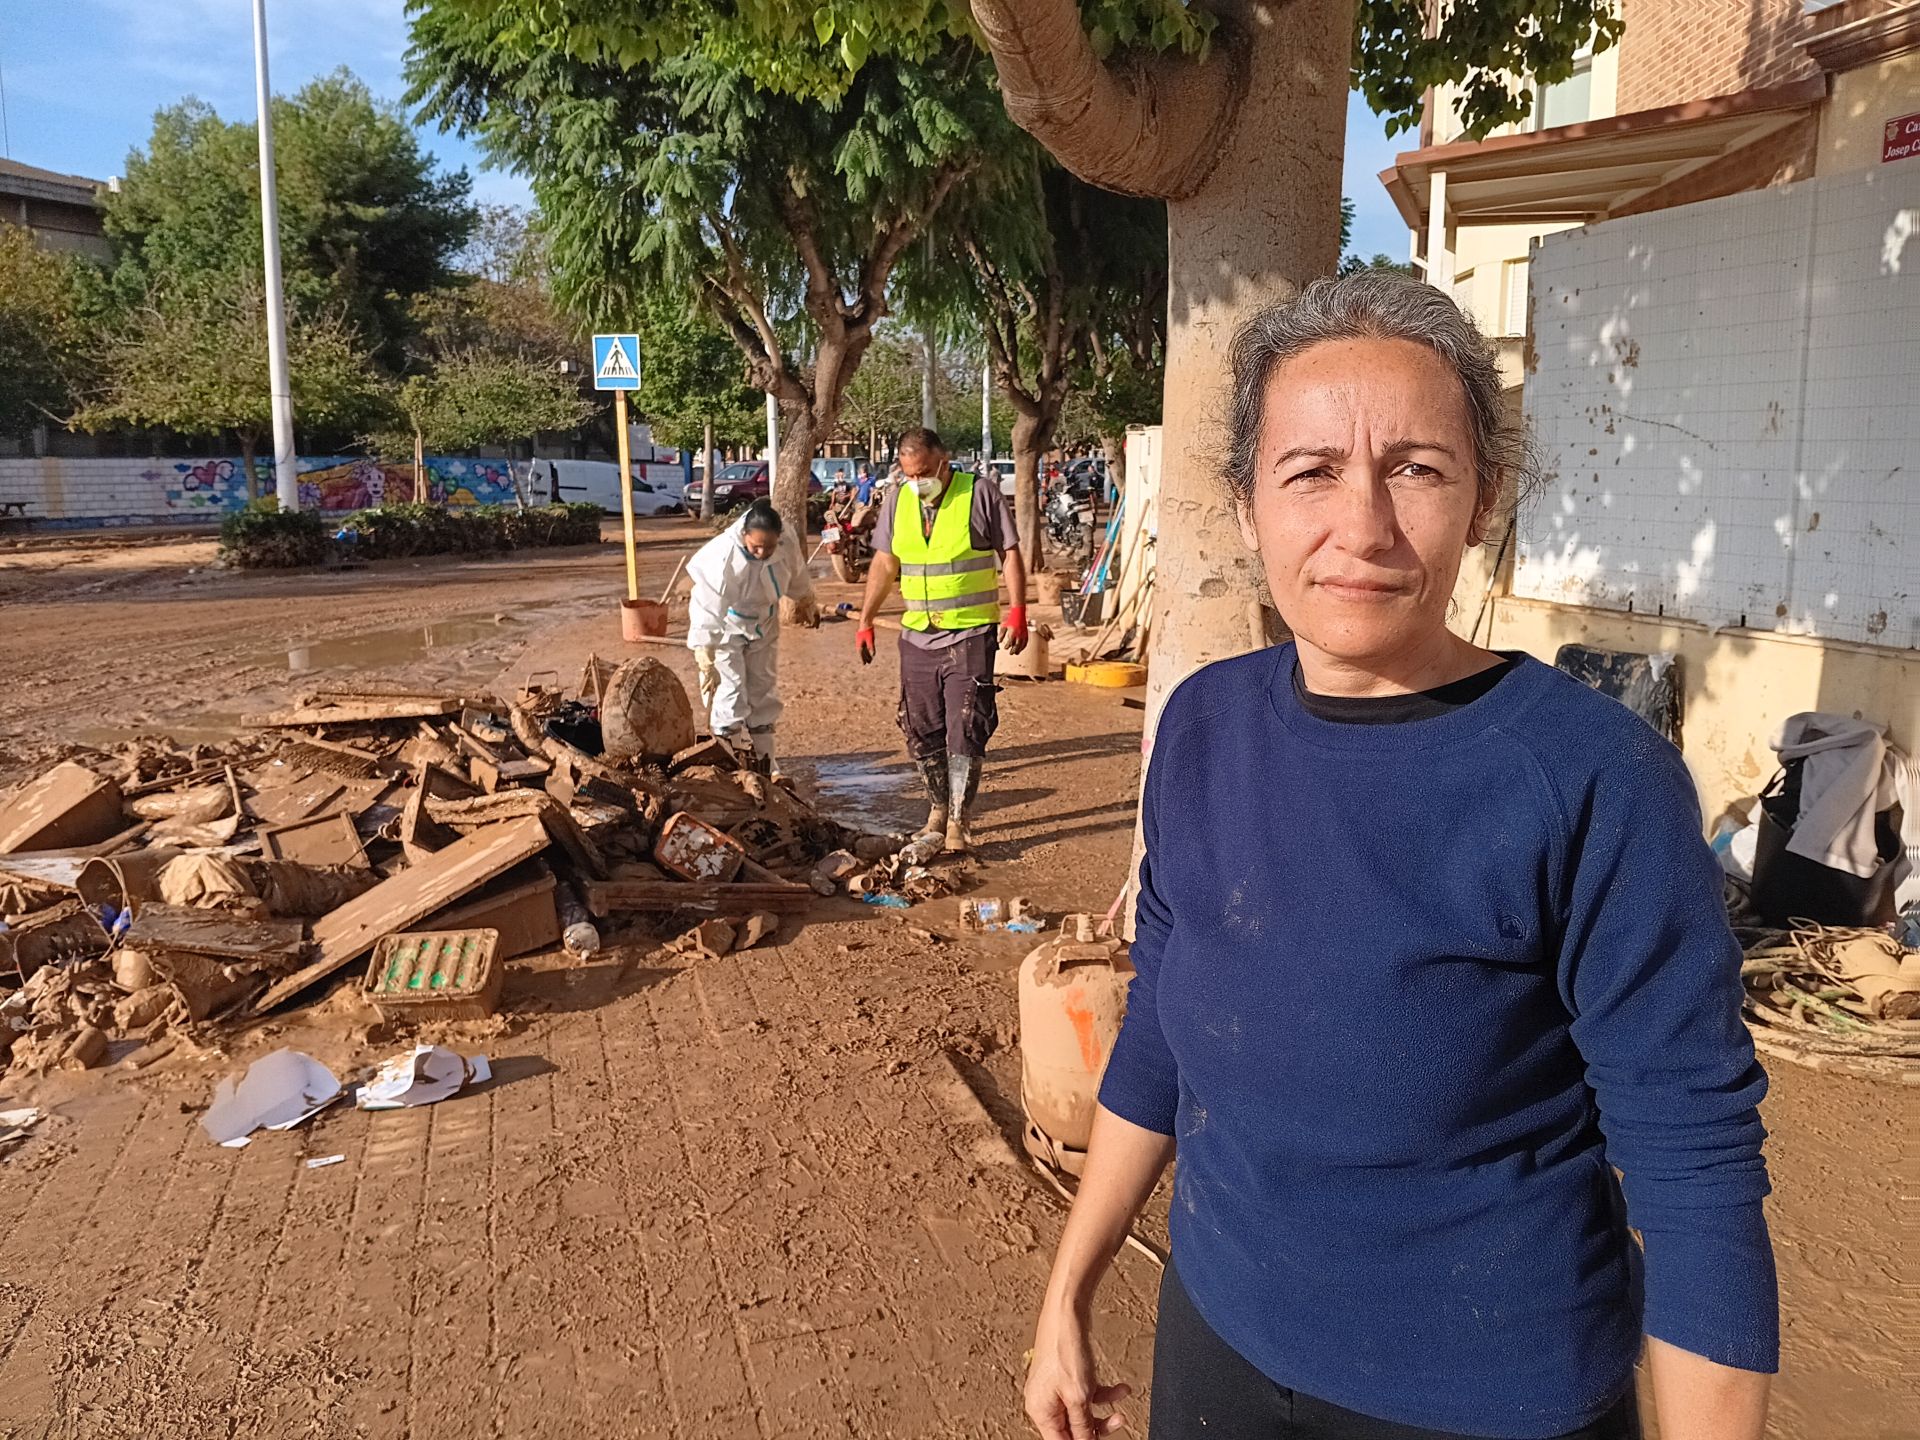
{"x":1702,"y":258}
{"x":59,"y":209}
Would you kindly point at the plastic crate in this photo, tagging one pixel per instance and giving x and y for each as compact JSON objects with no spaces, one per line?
{"x":437,"y":975}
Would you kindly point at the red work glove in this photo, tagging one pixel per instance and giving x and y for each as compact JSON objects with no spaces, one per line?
{"x":867,"y":647}
{"x":1013,"y":634}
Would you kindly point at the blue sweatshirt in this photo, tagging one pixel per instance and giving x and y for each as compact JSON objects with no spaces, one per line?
{"x":1406,"y":996}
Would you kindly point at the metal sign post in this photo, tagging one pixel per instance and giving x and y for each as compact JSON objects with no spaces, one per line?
{"x":616,"y":367}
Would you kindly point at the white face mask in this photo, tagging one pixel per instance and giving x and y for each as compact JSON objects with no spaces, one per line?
{"x":927,"y":487}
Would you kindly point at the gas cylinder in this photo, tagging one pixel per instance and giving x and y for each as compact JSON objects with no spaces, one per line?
{"x":1073,"y":995}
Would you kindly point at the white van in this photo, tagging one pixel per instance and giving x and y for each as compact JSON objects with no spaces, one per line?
{"x":657,"y":488}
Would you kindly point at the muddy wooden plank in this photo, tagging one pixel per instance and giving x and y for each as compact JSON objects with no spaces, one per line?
{"x":319,"y":840}
{"x":607,"y":896}
{"x":491,"y":809}
{"x":352,"y":712}
{"x":301,"y":796}
{"x":212,"y":932}
{"x":437,"y":881}
{"x":67,"y":806}
{"x":520,"y":905}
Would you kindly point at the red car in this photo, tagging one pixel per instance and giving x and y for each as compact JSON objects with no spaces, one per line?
{"x":738,"y":484}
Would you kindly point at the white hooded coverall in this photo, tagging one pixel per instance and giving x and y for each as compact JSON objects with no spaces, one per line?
{"x":733,"y":630}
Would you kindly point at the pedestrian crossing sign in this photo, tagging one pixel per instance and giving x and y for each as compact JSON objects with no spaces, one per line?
{"x":616,"y":362}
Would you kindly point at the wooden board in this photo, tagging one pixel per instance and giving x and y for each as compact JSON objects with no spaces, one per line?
{"x":308,"y":795}
{"x":321,"y":840}
{"x":67,"y":806}
{"x":418,"y":891}
{"x":519,"y":905}
{"x":608,"y":896}
{"x":212,"y":932}
{"x":349,"y":712}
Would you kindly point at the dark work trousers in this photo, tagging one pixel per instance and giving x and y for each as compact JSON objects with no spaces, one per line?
{"x":948,"y":703}
{"x":1204,"y":1390}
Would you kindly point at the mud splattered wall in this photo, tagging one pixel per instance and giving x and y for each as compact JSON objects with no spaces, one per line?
{"x":163,"y":492}
{"x":1724,"y":400}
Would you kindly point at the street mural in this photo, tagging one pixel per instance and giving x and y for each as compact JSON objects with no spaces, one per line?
{"x":336,"y":483}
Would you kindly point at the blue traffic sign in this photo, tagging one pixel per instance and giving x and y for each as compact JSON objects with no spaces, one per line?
{"x":616,"y":362}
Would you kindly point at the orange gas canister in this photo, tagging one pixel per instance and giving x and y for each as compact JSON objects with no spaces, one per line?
{"x":1073,"y":995}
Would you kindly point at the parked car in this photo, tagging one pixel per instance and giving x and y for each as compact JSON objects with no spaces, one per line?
{"x":1004,"y":469}
{"x":829,"y":469}
{"x":740,"y":483}
{"x":656,"y":488}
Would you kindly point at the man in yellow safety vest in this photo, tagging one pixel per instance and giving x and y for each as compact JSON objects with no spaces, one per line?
{"x":946,"y":536}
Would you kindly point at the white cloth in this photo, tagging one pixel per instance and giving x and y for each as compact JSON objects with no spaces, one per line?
{"x":735,"y":596}
{"x":1850,"y":775}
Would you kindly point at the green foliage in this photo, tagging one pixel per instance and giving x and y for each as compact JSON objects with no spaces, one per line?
{"x":365,"y":219}
{"x":1480,"y":45}
{"x":884,"y":398}
{"x":1106,"y":399}
{"x":479,"y":397}
{"x":42,"y":332}
{"x":194,"y":360}
{"x":263,"y":536}
{"x":692,"y":376}
{"x":817,"y":49}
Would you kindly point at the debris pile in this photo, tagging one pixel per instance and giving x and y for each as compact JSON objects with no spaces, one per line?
{"x":157,"y":889}
{"x":1829,"y":995}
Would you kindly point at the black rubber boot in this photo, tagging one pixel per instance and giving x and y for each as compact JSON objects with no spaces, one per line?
{"x":934,"y":775}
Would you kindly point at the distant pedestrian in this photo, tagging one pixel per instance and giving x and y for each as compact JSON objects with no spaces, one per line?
{"x":946,"y":536}
{"x":739,"y":578}
{"x":1429,"y":946}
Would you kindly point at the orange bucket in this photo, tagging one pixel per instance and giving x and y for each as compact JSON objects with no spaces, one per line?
{"x":640,"y":619}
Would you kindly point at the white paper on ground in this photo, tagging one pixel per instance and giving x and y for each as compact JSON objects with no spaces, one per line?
{"x":426,"y":1074}
{"x":320,"y":1162}
{"x":277,"y":1092}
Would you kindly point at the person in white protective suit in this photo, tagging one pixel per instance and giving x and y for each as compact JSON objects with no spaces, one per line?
{"x":739,"y":578}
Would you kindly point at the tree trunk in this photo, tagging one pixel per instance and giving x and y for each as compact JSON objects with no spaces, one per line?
{"x":1265,"y":222}
{"x":246,"y":464}
{"x":795,"y":470}
{"x":1032,"y":435}
{"x":931,"y":361}
{"x":1246,"y":148}
{"x":710,"y":459}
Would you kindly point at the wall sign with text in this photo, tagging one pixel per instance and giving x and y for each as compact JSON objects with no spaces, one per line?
{"x":1902,"y":139}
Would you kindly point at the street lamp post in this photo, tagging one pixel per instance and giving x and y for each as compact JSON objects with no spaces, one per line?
{"x":286,"y":465}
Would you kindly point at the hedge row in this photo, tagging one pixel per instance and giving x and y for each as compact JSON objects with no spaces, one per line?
{"x":265,"y":537}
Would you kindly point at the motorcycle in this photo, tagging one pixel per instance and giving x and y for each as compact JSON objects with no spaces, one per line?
{"x":844,"y":534}
{"x":1068,"y":515}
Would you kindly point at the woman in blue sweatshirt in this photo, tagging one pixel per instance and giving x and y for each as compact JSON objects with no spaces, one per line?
{"x":1428,"y":946}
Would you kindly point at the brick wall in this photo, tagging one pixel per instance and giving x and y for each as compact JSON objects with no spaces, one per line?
{"x":1679,"y":50}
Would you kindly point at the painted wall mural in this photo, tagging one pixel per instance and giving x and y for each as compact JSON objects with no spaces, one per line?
{"x":338,"y":483}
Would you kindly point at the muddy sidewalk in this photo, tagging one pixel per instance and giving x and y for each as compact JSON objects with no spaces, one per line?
{"x":717,"y":1199}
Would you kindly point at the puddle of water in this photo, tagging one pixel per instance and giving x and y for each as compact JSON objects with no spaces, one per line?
{"x":401,"y":644}
{"x":865,"y":795}
{"x":208,"y":727}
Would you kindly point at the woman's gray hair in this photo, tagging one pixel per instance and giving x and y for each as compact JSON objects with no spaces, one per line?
{"x":1376,"y":305}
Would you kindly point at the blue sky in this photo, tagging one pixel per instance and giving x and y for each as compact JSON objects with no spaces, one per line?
{"x":84,"y":77}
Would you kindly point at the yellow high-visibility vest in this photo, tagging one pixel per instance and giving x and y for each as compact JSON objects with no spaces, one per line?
{"x":947,"y":584}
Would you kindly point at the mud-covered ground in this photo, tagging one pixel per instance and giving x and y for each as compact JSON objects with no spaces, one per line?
{"x":730,"y":1199}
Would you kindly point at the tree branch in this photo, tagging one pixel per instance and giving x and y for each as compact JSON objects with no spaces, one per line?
{"x":824,"y":301}
{"x":877,"y":268}
{"x":1152,"y":126}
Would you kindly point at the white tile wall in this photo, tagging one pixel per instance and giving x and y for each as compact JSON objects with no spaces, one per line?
{"x":1725,"y":401}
